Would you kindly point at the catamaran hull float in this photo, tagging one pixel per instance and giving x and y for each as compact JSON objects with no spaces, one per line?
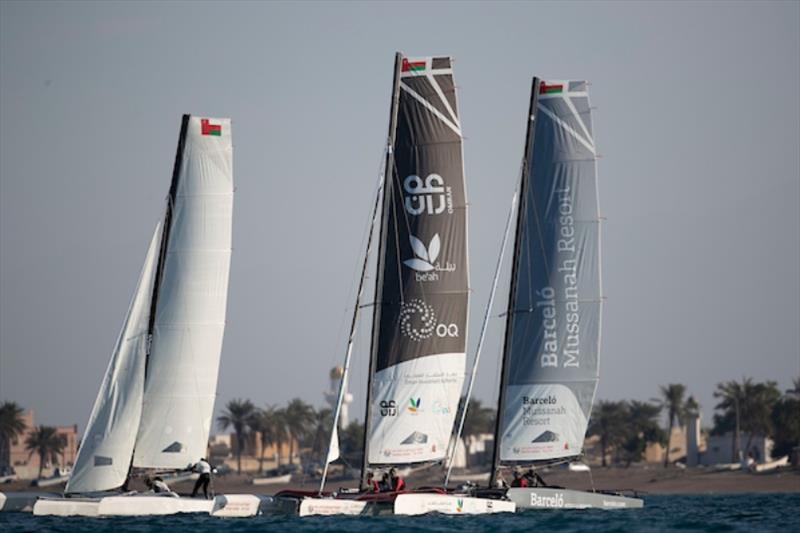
{"x":548,"y":498}
{"x":416,"y":504}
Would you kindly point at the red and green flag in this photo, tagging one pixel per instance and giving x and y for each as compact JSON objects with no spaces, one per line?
{"x":413,"y":66}
{"x":207,"y":128}
{"x":551,"y":89}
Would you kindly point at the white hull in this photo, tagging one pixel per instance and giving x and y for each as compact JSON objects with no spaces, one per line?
{"x":330,"y":506}
{"x":416,"y":504}
{"x":550,"y":498}
{"x":271,"y":480}
{"x":229,"y":505}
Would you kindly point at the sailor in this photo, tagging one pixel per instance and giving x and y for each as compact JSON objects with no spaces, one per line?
{"x":397,"y":482}
{"x":372,"y":483}
{"x":500,"y":482}
{"x":158,"y":486}
{"x":519,"y":480}
{"x":204,"y":469}
{"x":534,"y":479}
{"x":385,"y":484}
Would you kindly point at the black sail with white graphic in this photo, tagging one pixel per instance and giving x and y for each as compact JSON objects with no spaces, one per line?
{"x":420,"y":321}
{"x":553,"y":325}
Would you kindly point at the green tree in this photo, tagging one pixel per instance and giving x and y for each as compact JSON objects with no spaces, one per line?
{"x":270,"y":423}
{"x":351,"y":442}
{"x":786,"y":422}
{"x":300,"y":419}
{"x":672,"y":401}
{"x":12,"y":425}
{"x":640,"y":428}
{"x":319,"y":437}
{"x":608,"y":423}
{"x":45,"y":441}
{"x":238,"y":415}
{"x":731,"y":395}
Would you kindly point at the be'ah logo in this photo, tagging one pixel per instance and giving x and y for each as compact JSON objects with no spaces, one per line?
{"x":430,"y":196}
{"x":424,"y":262}
{"x":459,"y":505}
{"x":388,"y":408}
{"x":413,"y":405}
{"x":418,"y":321}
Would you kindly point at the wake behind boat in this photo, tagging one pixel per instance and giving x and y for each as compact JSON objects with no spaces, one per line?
{"x":154,"y":409}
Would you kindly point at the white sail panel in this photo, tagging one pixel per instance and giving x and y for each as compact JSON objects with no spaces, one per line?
{"x":105,"y":453}
{"x":414,"y":409}
{"x":183,"y":365}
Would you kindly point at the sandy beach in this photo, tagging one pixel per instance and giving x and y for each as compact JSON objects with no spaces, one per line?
{"x":652,"y":479}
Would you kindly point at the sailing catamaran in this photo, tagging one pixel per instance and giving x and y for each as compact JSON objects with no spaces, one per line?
{"x":419,"y":325}
{"x":551,"y":350}
{"x":155,"y":405}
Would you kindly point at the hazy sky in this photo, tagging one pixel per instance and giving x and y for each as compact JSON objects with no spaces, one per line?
{"x":697,"y":118}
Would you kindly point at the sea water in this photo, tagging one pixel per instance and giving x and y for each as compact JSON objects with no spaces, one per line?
{"x":733,"y":512}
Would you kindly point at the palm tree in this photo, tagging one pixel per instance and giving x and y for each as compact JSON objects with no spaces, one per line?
{"x":300,"y":419}
{"x":672,"y":401}
{"x":608,"y":422}
{"x":732,"y":396}
{"x":45,"y":441}
{"x":760,"y":400}
{"x":12,"y":425}
{"x":321,"y":434}
{"x":641,"y":423}
{"x":238,"y":414}
{"x":270,"y":423}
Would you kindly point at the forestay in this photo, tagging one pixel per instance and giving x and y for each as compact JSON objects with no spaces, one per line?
{"x":553,"y":325}
{"x":420,"y":321}
{"x":105,"y":452}
{"x":182,"y":367}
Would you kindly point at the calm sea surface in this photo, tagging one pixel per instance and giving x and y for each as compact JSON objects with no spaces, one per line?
{"x":740,"y":512}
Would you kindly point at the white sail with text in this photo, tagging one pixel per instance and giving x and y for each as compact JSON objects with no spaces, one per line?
{"x":422,"y":291}
{"x":553,"y":322}
{"x":105,"y":452}
{"x":190,"y":305}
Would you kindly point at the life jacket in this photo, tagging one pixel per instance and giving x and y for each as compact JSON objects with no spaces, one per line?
{"x":399,"y":484}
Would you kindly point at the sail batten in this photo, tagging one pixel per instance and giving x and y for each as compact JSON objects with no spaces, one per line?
{"x":551,"y":353}
{"x":417,"y":363}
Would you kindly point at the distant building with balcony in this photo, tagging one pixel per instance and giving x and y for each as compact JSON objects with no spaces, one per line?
{"x":26,"y":464}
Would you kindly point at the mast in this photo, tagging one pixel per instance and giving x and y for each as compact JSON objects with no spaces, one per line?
{"x":387,"y":179}
{"x":162,"y":254}
{"x":173,"y":188}
{"x":350,"y":340}
{"x":512,"y":300}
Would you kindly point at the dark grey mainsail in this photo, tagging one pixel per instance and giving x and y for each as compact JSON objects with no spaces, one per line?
{"x":419,"y":325}
{"x":550,"y":360}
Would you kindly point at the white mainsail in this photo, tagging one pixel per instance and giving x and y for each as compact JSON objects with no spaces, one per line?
{"x":182,"y":368}
{"x":105,"y":453}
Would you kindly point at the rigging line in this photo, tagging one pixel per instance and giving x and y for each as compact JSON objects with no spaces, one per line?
{"x":481,"y":338}
{"x":353,"y":326}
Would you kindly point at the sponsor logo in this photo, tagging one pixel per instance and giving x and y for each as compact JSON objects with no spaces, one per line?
{"x":418,"y":321}
{"x":424,"y":263}
{"x":388,"y":408}
{"x":413,"y":405}
{"x":440,"y":408}
{"x":555,"y":501}
{"x":415,"y":438}
{"x":431,"y":196}
{"x":549,"y":400}
{"x":547,"y":436}
{"x":459,"y":505}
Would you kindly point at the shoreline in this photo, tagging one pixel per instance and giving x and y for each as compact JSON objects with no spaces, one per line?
{"x":653,"y":480}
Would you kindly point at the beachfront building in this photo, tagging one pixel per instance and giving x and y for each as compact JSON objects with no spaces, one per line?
{"x":26,"y":465}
